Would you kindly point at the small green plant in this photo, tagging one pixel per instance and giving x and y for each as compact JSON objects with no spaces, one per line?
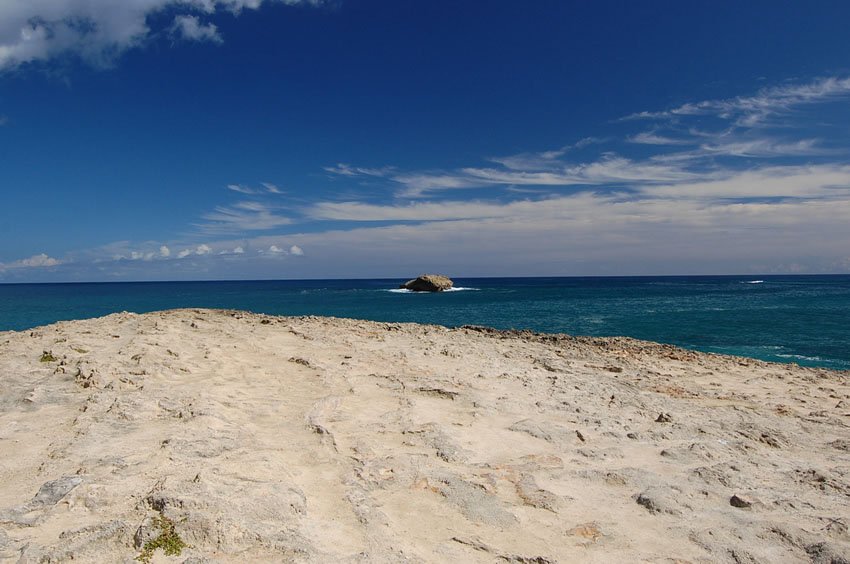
{"x":168,"y":540}
{"x":47,"y":356}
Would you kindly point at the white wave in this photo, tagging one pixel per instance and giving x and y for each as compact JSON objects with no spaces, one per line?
{"x":803,"y":357}
{"x":406,"y":291}
{"x":753,"y":282}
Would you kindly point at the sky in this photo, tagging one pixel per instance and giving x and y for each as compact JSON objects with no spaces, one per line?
{"x":286,"y":139}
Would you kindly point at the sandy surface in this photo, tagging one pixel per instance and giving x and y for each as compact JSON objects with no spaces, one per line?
{"x":330,"y":440}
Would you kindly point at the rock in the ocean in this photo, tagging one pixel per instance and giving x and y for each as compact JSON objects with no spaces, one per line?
{"x":428,"y":283}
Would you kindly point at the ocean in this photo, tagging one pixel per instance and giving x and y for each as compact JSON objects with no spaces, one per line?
{"x":801,"y":319}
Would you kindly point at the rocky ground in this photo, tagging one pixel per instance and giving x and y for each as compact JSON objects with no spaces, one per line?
{"x":258,"y":438}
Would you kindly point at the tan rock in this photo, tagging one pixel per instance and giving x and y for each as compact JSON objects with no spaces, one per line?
{"x":335,"y":440}
{"x":428,"y":283}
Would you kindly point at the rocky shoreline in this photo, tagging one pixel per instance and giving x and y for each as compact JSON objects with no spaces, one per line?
{"x":309,"y":439}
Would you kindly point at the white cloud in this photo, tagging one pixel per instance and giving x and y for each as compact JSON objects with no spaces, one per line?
{"x":200,"y":250}
{"x":526,"y":161}
{"x":720,"y":204}
{"x":419,"y":184}
{"x":764,"y":147}
{"x":139,"y":255}
{"x":653,"y":138}
{"x":681,"y":231}
{"x":824,"y":182}
{"x":343,"y":169}
{"x":543,"y":159}
{"x":277,"y":248}
{"x":750,"y":111}
{"x":746,"y":147}
{"x":100,"y":30}
{"x":609,"y":169}
{"x":191,"y":28}
{"x":164,"y":251}
{"x":756,"y":220}
{"x":741,"y":137}
{"x":36,"y":261}
{"x":244,"y":216}
{"x":241,"y":189}
{"x":773,"y":218}
{"x":419,"y":211}
{"x":669,"y":203}
{"x":271,"y":188}
{"x":267,"y":188}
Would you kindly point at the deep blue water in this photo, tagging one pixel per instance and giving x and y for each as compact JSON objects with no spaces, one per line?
{"x":802,"y":319}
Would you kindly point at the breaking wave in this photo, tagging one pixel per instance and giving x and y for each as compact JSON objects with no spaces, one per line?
{"x":406,"y":291}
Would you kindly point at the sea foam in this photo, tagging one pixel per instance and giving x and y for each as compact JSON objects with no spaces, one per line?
{"x":406,"y":291}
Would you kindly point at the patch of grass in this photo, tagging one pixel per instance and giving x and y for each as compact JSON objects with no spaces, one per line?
{"x":168,"y":540}
{"x":47,"y":356}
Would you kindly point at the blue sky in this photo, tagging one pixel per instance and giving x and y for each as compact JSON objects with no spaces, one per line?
{"x":229,"y":139}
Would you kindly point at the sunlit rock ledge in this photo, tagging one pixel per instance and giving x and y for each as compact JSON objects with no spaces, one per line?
{"x":234,"y":437}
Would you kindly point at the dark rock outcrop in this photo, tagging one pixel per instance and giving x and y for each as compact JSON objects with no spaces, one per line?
{"x":428,"y":283}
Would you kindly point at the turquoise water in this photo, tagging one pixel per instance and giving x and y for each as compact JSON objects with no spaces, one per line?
{"x":802,"y":319}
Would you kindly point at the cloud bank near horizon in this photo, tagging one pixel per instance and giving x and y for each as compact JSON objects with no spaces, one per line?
{"x":740,"y":185}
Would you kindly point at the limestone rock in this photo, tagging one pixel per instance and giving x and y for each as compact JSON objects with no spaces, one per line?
{"x":52,"y":492}
{"x":311,"y":440}
{"x":428,"y":283}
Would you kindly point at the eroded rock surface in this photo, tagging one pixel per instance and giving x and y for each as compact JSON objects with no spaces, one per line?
{"x":329,"y":440}
{"x":428,"y":283}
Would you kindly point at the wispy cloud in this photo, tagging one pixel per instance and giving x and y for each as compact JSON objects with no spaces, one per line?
{"x":820,"y":182}
{"x":543,"y":169}
{"x":825,"y":182}
{"x":763,"y":219}
{"x":688,"y":228}
{"x":747,"y":147}
{"x":243,"y":216}
{"x":100,"y":30}
{"x":271,"y":188}
{"x":653,"y":138}
{"x":419,"y":211}
{"x":343,"y":169}
{"x":672,"y":197}
{"x":765,"y":147}
{"x":544,"y":159}
{"x":750,"y":111}
{"x":267,"y":188}
{"x":681,"y":152}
